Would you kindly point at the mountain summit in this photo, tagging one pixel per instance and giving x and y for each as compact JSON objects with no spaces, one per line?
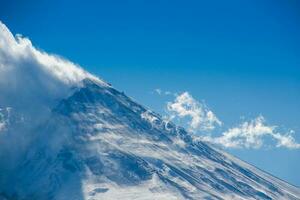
{"x":88,"y":141}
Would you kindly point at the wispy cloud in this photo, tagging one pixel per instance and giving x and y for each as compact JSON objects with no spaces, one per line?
{"x":18,"y":53}
{"x":162,"y":92}
{"x":253,"y":134}
{"x":4,"y":118}
{"x":197,"y":113}
{"x":2,"y":125}
{"x":34,"y":75}
{"x":158,"y":91}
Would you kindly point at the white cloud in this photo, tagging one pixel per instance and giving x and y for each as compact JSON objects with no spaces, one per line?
{"x":2,"y":125}
{"x":253,"y":134}
{"x":4,"y":115}
{"x":158,"y":91}
{"x":31,"y":77}
{"x":200,"y":117}
{"x":168,"y":93}
{"x":18,"y":52}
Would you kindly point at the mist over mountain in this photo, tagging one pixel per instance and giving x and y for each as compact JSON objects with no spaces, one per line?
{"x":66,"y":134}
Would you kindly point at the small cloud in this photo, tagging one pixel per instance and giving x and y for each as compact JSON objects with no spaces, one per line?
{"x":253,"y":134}
{"x":4,"y":118}
{"x":198,"y":114}
{"x":158,"y":91}
{"x":168,"y":93}
{"x":2,"y":125}
{"x":161,"y":92}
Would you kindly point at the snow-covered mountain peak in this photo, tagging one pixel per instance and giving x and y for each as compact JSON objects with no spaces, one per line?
{"x":100,"y":144}
{"x":88,"y":141}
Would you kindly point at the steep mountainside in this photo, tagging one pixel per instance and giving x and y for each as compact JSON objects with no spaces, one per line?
{"x":100,"y":144}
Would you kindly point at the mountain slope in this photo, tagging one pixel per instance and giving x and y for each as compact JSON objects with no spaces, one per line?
{"x":100,"y":144}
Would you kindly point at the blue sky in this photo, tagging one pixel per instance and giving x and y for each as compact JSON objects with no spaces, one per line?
{"x":241,"y":57}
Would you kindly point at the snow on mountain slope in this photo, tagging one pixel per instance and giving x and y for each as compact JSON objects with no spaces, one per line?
{"x":99,"y":144}
{"x":65,"y":134}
